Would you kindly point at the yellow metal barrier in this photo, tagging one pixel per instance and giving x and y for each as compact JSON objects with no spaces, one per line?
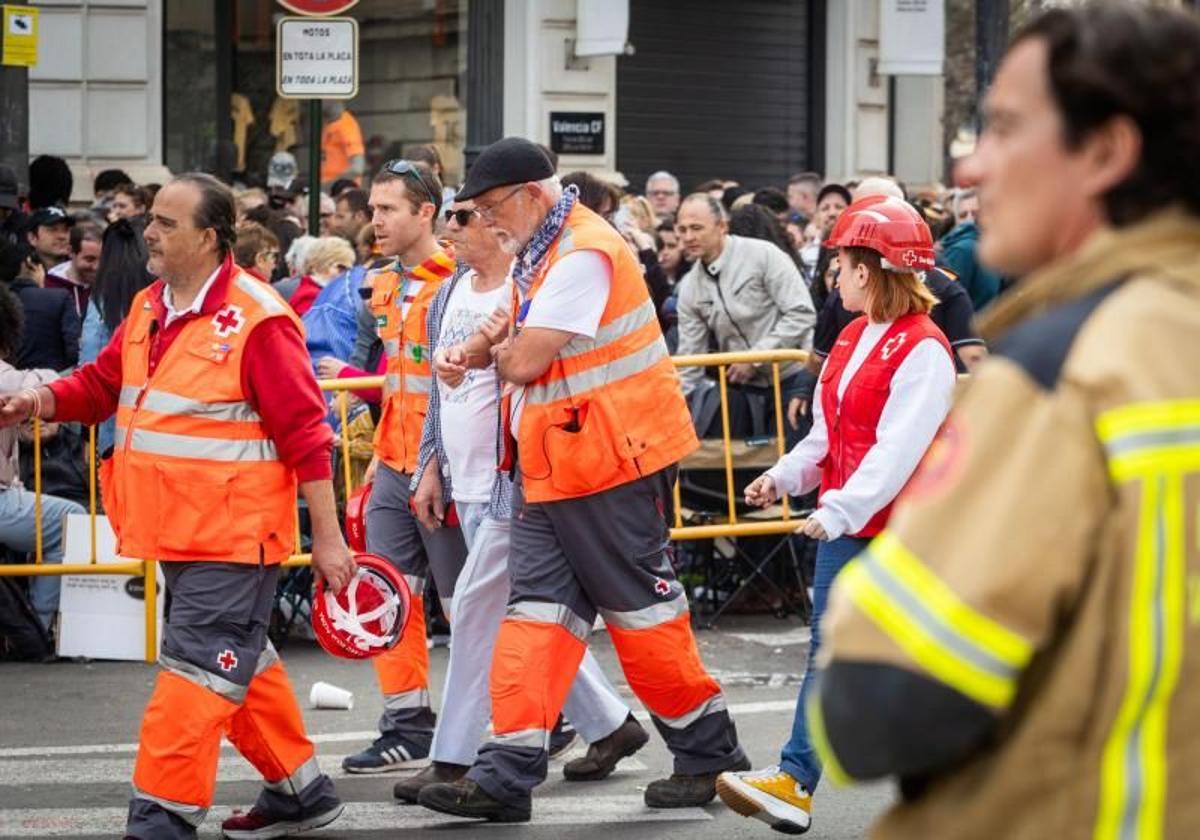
{"x":147,"y":569}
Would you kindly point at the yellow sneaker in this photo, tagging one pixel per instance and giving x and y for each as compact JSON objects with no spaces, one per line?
{"x":770,"y":795}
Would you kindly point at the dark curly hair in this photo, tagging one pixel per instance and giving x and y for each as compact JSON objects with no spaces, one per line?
{"x":1141,"y":62}
{"x":12,"y":324}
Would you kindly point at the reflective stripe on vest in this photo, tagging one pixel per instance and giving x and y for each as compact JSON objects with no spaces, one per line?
{"x":200,"y":448}
{"x":164,"y":402}
{"x":585,"y":380}
{"x":607,"y":334}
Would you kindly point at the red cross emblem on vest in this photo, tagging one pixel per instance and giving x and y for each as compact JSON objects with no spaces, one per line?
{"x":228,"y":321}
{"x":892,"y":345}
{"x":227,"y":660}
{"x":662,"y":587}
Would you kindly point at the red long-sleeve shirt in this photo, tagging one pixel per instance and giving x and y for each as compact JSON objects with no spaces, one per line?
{"x":374,"y":396}
{"x":276,"y":375}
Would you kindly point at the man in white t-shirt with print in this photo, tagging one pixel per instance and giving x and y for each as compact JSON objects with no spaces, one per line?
{"x":460,"y":448}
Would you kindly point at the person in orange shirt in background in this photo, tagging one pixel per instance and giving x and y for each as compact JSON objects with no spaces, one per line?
{"x":342,"y":151}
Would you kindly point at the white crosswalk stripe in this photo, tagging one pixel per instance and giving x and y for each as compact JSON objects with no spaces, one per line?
{"x":63,"y":774}
{"x":233,"y":768}
{"x":359,"y":816}
{"x":367,"y":735}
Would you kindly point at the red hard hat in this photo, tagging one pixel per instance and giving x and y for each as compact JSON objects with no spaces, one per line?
{"x":366,"y":618}
{"x":356,"y":518}
{"x":889,"y":226}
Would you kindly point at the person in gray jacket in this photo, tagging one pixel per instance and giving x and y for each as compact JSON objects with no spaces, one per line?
{"x":740,"y":294}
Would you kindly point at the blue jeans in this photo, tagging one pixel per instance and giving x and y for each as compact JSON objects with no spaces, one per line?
{"x":799,"y":759}
{"x":17,"y":532}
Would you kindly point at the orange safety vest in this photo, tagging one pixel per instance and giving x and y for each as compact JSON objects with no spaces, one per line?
{"x":608,"y":410}
{"x":406,"y":342}
{"x":194,"y":475}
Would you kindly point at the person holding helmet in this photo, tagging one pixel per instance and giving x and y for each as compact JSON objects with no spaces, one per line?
{"x":882,"y":394}
{"x":218,"y":422}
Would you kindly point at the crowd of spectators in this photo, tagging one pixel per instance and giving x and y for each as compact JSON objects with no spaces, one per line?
{"x":729,"y":268}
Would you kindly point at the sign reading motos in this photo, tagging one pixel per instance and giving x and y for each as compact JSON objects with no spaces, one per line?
{"x":316,"y":58}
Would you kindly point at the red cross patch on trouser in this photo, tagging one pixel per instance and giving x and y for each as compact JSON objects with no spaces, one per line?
{"x":227,"y":660}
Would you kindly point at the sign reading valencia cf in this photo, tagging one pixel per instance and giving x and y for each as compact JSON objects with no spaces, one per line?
{"x":317,"y":8}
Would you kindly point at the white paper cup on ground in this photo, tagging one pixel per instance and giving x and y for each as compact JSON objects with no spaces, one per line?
{"x":327,"y":696}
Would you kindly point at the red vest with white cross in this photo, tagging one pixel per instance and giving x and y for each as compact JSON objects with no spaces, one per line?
{"x":851,"y":423}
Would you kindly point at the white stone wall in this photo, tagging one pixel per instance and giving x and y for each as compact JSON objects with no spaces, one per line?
{"x":542,"y":75}
{"x":857,"y":104}
{"x":95,"y":95}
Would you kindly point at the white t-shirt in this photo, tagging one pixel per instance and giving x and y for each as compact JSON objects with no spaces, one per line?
{"x":469,"y":412}
{"x":572,"y":299}
{"x":921,"y":393}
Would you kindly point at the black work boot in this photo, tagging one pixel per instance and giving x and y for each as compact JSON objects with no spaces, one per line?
{"x":602,"y":757}
{"x":682,"y":791}
{"x":439,"y":772}
{"x":465,"y":798}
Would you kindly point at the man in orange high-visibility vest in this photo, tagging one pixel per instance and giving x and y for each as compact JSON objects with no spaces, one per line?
{"x":599,"y":424}
{"x":405,"y":198}
{"x":219,"y":419}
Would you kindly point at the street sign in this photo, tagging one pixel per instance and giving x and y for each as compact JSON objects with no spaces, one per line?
{"x":20,"y":36}
{"x":316,"y":58}
{"x":317,"y":8}
{"x":577,"y":133}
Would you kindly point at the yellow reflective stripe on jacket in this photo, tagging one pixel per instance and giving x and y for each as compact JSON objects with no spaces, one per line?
{"x":1149,"y":438}
{"x":963,"y":648}
{"x":1133,"y":770}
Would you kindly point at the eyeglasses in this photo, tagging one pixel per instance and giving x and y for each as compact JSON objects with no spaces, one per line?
{"x":407,"y":169}
{"x":486,"y":212}
{"x":662,"y":193}
{"x":463,"y":217}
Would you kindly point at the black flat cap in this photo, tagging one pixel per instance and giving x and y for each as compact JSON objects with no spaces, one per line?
{"x":513,"y":160}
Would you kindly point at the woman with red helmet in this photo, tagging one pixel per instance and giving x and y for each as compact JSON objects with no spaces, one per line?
{"x":883,"y":392}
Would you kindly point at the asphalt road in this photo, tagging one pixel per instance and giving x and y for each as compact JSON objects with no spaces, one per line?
{"x":67,"y":741}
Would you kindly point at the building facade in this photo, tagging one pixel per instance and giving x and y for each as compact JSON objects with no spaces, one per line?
{"x":751,"y":91}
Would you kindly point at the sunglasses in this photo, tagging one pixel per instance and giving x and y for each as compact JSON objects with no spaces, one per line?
{"x":406,"y":169}
{"x":463,"y":217}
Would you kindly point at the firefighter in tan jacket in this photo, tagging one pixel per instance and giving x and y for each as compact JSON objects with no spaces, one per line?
{"x":1021,"y":646}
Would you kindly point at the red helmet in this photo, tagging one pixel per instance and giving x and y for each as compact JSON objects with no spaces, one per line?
{"x":889,"y":226}
{"x":368,"y":616}
{"x":356,"y":518}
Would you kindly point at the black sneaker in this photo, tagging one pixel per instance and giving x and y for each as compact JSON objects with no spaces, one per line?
{"x":465,"y":798}
{"x":439,"y":772}
{"x":386,"y":754}
{"x":562,"y":738}
{"x":602,"y":757}
{"x":682,"y":791}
